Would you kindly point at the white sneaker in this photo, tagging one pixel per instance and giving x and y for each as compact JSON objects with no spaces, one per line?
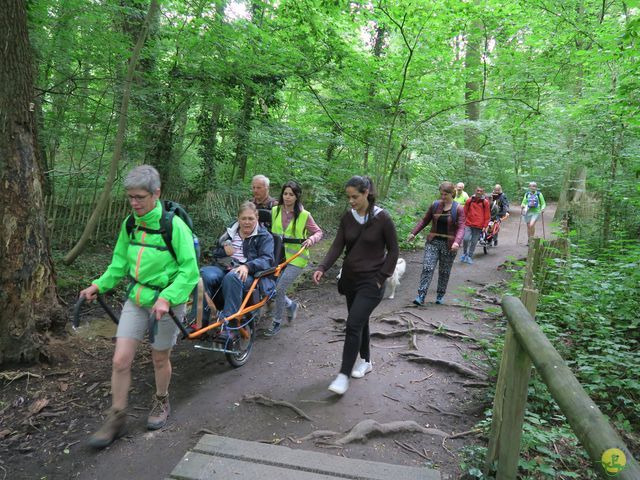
{"x":340,"y":384}
{"x":361,"y":368}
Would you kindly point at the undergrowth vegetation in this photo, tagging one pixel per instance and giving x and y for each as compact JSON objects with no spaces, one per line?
{"x":588,"y":308}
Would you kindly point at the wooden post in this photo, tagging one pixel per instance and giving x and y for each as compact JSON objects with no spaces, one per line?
{"x":589,"y":424}
{"x":510,"y":401}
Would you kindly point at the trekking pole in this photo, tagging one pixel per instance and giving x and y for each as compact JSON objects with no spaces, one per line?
{"x":544,"y":234}
{"x":519,"y":225}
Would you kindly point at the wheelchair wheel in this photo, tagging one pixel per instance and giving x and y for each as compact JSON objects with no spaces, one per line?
{"x":242,"y":346}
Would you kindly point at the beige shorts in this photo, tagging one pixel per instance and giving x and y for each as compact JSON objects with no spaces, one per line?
{"x":134,"y":324}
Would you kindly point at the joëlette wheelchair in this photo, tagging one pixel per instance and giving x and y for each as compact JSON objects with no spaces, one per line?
{"x":487,"y":238}
{"x":233,"y":335}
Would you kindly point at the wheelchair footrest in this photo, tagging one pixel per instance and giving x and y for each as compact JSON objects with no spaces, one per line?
{"x":214,"y":348}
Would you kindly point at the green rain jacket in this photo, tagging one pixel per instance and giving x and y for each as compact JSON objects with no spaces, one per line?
{"x":154,"y":272}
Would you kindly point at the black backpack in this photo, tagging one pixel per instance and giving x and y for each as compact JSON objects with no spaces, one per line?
{"x":169,"y":210}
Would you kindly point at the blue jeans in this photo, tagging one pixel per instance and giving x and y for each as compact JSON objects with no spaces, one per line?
{"x":233,"y":289}
{"x":471,"y":236}
{"x":287,"y":277}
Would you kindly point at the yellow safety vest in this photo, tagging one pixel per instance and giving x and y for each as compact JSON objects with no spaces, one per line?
{"x":290,"y":249}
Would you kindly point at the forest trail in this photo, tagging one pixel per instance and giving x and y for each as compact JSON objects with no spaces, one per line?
{"x":296,"y":366}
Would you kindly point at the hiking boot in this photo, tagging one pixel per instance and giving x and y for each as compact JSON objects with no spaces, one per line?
{"x":273,"y":331}
{"x":112,"y":428}
{"x":340,"y":384}
{"x":419,"y":300}
{"x":440,"y":299}
{"x":292,"y":311}
{"x":361,"y":368}
{"x":159,"y":412}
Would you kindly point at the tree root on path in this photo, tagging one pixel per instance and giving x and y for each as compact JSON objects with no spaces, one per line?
{"x":317,"y":434}
{"x":461,"y":369}
{"x":437,"y":409}
{"x":413,"y":331}
{"x":472,"y":384}
{"x":370,"y":428}
{"x":270,"y":402}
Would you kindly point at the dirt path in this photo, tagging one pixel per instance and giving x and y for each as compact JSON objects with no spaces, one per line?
{"x":297,"y":366}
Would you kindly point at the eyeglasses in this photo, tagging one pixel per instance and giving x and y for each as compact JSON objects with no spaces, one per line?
{"x":138,"y":198}
{"x":445,"y":191}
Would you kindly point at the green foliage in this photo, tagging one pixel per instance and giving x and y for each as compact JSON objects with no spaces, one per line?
{"x":588,"y":310}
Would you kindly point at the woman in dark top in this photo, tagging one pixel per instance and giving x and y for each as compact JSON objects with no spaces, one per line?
{"x":447,"y":229}
{"x":368,"y":236}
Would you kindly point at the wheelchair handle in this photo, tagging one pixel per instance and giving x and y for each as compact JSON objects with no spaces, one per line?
{"x":152,"y":325}
{"x":76,"y":311}
{"x":179,"y":324}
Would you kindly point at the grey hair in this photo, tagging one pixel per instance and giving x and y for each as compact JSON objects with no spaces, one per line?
{"x":248,"y":205}
{"x":533,"y":184}
{"x":261,"y":178}
{"x":143,"y":176}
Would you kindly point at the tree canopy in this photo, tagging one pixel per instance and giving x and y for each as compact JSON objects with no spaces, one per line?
{"x":318,"y":90}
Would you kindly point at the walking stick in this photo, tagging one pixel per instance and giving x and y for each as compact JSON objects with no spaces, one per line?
{"x":519,"y":225}
{"x":544,"y":234}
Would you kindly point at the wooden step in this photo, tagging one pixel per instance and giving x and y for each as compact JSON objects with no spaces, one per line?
{"x":227,"y":458}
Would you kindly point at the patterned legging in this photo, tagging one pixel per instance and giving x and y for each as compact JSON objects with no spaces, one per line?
{"x":436,"y":251}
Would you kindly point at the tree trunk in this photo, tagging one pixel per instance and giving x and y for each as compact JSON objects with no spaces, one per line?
{"x":378,"y":46}
{"x":28,"y":301}
{"x":103,"y":201}
{"x":242,"y":133}
{"x":208,"y":125}
{"x":472,"y":92}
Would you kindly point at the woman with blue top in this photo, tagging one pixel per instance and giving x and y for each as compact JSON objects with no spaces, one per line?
{"x":292,"y":221}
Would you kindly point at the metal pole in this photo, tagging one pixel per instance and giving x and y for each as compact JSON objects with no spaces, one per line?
{"x":544,"y":234}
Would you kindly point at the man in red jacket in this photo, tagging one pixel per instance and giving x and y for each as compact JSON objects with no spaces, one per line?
{"x":477,"y":212}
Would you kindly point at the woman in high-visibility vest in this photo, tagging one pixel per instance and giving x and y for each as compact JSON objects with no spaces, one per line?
{"x":290,"y":219}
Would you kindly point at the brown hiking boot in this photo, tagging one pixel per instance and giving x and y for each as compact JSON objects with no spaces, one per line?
{"x":112,"y":428}
{"x":159,"y":412}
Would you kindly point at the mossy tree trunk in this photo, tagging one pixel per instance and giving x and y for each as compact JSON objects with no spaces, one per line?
{"x":28,"y":302}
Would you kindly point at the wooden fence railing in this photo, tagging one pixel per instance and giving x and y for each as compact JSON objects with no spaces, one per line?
{"x":526,"y":343}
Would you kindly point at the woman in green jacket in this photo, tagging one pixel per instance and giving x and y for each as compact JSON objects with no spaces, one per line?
{"x":159,"y":281}
{"x":290,"y":219}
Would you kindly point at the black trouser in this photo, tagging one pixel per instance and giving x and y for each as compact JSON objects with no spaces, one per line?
{"x":363,"y":296}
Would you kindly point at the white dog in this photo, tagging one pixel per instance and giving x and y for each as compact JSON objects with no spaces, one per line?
{"x":394,"y":280}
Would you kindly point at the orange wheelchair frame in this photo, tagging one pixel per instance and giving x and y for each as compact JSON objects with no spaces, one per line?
{"x":236,"y":348}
